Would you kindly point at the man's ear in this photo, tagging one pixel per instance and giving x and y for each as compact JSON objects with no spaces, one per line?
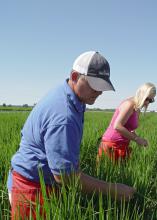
{"x":74,"y":76}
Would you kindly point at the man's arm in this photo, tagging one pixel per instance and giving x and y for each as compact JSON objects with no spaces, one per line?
{"x":92,"y":185}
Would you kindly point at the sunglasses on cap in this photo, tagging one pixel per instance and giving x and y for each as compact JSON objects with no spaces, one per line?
{"x":150,"y":100}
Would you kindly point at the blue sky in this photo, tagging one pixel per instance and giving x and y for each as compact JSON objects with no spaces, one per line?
{"x":39,"y":41}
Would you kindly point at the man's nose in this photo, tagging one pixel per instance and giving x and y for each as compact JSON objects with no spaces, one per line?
{"x":99,"y":92}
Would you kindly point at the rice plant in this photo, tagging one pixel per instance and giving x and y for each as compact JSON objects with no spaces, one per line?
{"x":139,"y":171}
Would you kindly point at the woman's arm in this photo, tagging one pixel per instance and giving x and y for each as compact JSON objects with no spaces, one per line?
{"x":125,"y":111}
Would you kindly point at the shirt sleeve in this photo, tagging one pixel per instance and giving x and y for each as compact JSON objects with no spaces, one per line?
{"x":9,"y":181}
{"x":62,"y":145}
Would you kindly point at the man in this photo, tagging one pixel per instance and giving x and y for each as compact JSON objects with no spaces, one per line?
{"x":52,"y":134}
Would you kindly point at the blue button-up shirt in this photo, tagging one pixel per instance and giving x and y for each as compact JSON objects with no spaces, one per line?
{"x":51,"y":137}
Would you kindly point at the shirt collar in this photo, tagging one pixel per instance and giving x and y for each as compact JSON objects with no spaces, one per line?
{"x":79,"y":106}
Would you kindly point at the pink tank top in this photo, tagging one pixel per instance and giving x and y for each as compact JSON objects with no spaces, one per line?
{"x":114,"y":136}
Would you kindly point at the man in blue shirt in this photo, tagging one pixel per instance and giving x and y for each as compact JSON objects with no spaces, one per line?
{"x":51,"y":136}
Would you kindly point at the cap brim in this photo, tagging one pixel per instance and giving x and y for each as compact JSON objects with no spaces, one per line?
{"x":99,"y":84}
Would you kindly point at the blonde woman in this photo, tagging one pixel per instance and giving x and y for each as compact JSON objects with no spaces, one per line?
{"x":115,"y":141}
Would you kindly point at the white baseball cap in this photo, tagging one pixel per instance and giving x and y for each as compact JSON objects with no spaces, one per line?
{"x":96,"y":68}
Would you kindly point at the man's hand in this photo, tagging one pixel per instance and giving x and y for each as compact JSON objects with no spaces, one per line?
{"x":122,"y":191}
{"x":141,"y":141}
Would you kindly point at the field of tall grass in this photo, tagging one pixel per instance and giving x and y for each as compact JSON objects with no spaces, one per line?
{"x":140,"y":172}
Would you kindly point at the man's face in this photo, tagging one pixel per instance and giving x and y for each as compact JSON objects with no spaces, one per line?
{"x":84,"y":92}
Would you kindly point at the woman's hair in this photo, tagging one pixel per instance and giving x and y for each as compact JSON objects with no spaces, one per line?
{"x":143,"y":92}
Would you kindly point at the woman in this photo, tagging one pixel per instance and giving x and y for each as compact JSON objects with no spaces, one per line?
{"x":115,"y":141}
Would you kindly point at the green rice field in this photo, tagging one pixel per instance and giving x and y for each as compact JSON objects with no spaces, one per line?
{"x":140,"y":171}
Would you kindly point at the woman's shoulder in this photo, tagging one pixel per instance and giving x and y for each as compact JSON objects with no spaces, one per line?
{"x":129,"y":102}
{"x":128,"y":105}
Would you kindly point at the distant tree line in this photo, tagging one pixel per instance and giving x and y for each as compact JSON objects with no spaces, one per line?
{"x":99,"y":109}
{"x":24,"y":107}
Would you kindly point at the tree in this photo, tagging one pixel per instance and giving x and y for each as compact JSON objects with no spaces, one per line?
{"x":25,"y":105}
